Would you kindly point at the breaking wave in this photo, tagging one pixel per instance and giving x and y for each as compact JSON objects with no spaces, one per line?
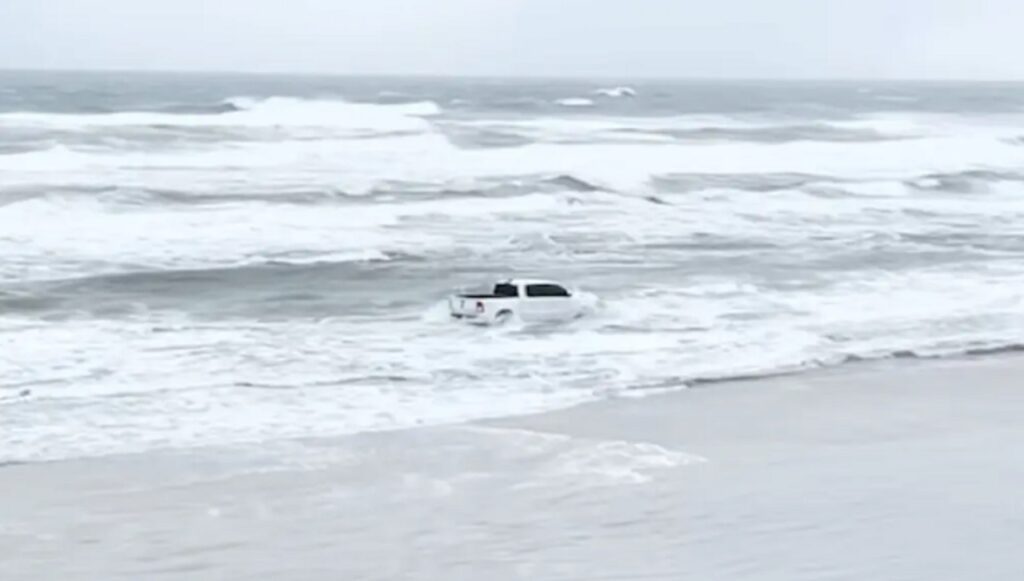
{"x":616,"y":92}
{"x":575,"y":102}
{"x":246,"y":112}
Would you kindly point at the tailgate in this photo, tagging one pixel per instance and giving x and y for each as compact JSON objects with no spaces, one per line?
{"x":463,"y":307}
{"x":460,"y":306}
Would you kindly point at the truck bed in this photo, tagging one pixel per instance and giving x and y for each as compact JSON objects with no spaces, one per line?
{"x":502,"y":290}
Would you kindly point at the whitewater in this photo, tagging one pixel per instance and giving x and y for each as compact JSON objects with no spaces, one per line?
{"x":189,"y":262}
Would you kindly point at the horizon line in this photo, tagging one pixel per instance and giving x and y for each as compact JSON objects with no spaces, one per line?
{"x":493,"y":76}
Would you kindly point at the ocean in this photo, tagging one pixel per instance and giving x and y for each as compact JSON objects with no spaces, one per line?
{"x":209,"y":260}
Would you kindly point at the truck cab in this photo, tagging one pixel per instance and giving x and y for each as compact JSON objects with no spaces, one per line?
{"x":526,"y":299}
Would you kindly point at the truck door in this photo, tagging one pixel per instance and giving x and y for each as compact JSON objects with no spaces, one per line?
{"x":546,"y":301}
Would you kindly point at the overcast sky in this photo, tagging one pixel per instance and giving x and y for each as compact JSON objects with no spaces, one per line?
{"x":617,"y":38}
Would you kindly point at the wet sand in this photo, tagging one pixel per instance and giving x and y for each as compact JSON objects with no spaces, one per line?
{"x":897,"y":470}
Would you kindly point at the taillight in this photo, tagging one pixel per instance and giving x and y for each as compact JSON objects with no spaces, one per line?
{"x":479,"y":306}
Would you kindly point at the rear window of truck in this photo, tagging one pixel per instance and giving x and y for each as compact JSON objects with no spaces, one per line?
{"x":505,"y":290}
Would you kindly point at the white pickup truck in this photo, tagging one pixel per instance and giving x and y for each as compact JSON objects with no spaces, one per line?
{"x":529,"y":300}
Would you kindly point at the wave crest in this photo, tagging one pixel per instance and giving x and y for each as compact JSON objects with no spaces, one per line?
{"x":575,"y":102}
{"x":248,"y":112}
{"x":616,"y":92}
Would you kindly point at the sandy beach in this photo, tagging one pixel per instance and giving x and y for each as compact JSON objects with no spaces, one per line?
{"x":904,"y":470}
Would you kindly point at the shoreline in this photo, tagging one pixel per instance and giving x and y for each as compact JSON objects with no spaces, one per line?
{"x":849,"y":366}
{"x":876,"y":471}
{"x":852,"y":365}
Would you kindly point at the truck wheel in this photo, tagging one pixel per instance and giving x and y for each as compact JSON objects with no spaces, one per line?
{"x":503,"y":316}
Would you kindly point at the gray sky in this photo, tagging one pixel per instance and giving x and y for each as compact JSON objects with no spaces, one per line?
{"x":628,"y":38}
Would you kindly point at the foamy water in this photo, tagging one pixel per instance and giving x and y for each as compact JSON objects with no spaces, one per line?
{"x":199,"y":262}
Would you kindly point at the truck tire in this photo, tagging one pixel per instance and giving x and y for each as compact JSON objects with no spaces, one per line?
{"x":503,"y":316}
